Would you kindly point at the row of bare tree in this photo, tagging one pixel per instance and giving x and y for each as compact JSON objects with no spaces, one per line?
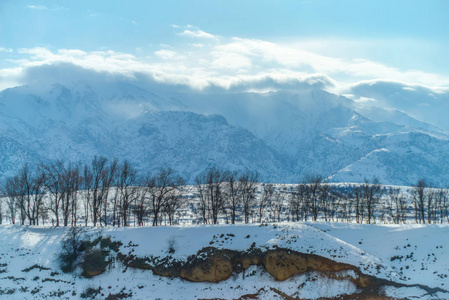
{"x":429,"y":204}
{"x":225,"y":192}
{"x":112,"y":193}
{"x":231,"y":194}
{"x":102,"y":193}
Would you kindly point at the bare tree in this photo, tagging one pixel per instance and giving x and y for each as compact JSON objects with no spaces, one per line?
{"x":371,"y":196}
{"x":295,"y":204}
{"x":394,"y":206}
{"x":107,"y":181}
{"x":441,"y":204}
{"x":76,"y":182}
{"x":276,"y":203}
{"x":203,"y":199}
{"x":11,"y":192}
{"x":102,"y":178}
{"x":325,"y":200}
{"x":53,"y":173}
{"x":173,"y":204}
{"x":313,"y":193}
{"x":347,"y":204}
{"x":333,"y":203}
{"x":141,"y":209}
{"x":419,"y":199}
{"x":300,"y":202}
{"x":99,"y":170}
{"x":37,"y":198}
{"x":265,"y":198}
{"x":359,"y":204}
{"x":248,"y":183}
{"x":70,"y":185}
{"x":25,"y":200}
{"x":210,"y":186}
{"x":233,"y":194}
{"x":127,"y":191}
{"x":87,"y":186}
{"x":431,"y":205}
{"x":160,"y":187}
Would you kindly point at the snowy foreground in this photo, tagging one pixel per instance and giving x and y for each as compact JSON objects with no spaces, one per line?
{"x":416,"y":256}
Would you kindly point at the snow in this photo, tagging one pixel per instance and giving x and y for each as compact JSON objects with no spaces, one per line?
{"x":282,"y":135}
{"x":373,"y":248}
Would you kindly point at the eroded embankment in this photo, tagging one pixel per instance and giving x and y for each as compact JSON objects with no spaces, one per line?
{"x":214,"y":265}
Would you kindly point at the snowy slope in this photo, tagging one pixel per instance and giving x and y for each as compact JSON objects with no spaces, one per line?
{"x":282,"y":135}
{"x":393,"y":155}
{"x":58,"y":123}
{"x":405,"y":254}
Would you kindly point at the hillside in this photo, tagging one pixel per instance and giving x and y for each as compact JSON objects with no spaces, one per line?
{"x":282,"y":135}
{"x":403,"y":261}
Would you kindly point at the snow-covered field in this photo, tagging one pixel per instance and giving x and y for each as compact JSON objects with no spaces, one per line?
{"x":406,"y":254}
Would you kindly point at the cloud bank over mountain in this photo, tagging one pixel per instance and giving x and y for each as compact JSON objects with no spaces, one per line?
{"x":206,"y":63}
{"x":219,"y":64}
{"x":427,"y":104}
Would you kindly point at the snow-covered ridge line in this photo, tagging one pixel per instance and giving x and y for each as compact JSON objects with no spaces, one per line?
{"x":282,"y":135}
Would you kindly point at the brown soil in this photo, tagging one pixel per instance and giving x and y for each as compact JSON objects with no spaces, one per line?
{"x":214,"y":265}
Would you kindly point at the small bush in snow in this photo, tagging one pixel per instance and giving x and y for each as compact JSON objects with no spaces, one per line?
{"x":71,"y":249}
{"x":94,"y":262}
{"x":171,"y":245}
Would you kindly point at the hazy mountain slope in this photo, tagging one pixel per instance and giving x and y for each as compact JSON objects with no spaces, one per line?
{"x":191,"y":142}
{"x":282,"y":135}
{"x":322,"y":133}
{"x":13,"y":155}
{"x":77,"y":124}
{"x":401,"y":158}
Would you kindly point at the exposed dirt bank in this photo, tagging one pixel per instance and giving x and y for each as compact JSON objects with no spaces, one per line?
{"x":214,"y":265}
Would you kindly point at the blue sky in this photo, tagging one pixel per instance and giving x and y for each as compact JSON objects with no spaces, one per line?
{"x":203,"y":43}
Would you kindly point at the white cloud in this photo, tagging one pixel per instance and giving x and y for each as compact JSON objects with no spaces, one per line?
{"x":10,"y":77}
{"x":198,"y":34}
{"x":229,"y":63}
{"x":38,"y":7}
{"x":171,"y":68}
{"x":11,"y":72}
{"x":36,"y":53}
{"x":168,"y":54}
{"x":267,"y":54}
{"x":8,"y":50}
{"x":72,"y":52}
{"x":166,"y":46}
{"x":274,"y":81}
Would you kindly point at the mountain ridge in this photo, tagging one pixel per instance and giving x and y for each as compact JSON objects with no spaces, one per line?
{"x":282,"y":135}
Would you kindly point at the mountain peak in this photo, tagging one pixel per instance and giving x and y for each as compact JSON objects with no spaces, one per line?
{"x":282,"y":135}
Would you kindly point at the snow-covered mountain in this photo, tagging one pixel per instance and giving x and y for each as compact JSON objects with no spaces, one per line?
{"x":282,"y":135}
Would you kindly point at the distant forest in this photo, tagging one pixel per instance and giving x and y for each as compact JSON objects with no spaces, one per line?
{"x":112,"y":193}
